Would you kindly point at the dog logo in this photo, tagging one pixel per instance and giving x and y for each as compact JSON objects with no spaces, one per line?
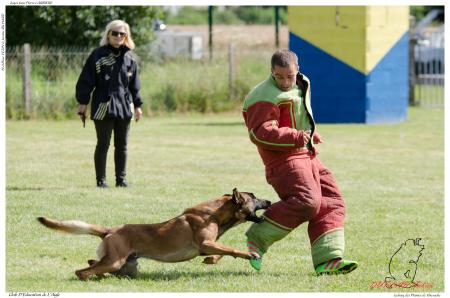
{"x":403,"y":264}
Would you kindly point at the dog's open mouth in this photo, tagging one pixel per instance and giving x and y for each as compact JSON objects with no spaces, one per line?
{"x":262,"y":204}
{"x":254,"y":218}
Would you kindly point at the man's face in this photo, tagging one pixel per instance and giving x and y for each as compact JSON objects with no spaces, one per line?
{"x":285,"y":76}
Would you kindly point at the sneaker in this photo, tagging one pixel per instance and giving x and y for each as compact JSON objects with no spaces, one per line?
{"x":256,"y":263}
{"x":121,"y":183}
{"x":102,"y":184}
{"x":336,"y":266}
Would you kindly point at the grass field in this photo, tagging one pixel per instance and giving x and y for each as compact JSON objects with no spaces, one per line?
{"x":392,"y":177}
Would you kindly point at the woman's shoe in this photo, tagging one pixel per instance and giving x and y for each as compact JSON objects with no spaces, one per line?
{"x":102,"y":184}
{"x":121,"y":183}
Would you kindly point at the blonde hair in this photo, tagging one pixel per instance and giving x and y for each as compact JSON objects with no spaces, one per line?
{"x":113,"y":24}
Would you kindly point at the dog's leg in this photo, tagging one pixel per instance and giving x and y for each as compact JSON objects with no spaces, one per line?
{"x":116,"y":253}
{"x":105,"y":265}
{"x":213,"y":248}
{"x":212,"y":259}
{"x":93,"y":262}
{"x":129,"y":269}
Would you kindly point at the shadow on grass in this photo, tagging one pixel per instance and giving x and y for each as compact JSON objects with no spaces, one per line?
{"x":209,"y":124}
{"x":23,"y":188}
{"x":175,"y":275}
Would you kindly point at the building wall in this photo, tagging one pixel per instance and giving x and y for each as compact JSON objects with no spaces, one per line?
{"x":356,"y":58}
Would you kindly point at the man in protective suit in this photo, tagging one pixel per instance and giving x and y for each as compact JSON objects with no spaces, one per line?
{"x":280,"y":122}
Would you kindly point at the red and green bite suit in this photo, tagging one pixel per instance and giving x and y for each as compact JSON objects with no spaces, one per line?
{"x":276,"y":121}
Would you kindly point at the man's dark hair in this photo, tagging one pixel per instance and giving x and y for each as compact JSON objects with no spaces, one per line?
{"x":284,"y":58}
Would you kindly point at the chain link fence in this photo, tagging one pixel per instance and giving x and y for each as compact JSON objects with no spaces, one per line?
{"x":52,"y":73}
{"x":168,"y":85}
{"x":241,"y":59}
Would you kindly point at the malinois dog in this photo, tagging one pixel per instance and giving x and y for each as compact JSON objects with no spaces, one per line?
{"x":191,"y":234}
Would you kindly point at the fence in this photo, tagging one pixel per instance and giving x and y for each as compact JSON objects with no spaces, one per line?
{"x":172,"y":85}
{"x":429,"y":68}
{"x":183,"y":84}
{"x":41,"y":80}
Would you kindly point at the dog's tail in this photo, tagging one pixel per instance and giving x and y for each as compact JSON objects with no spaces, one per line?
{"x":74,"y":227}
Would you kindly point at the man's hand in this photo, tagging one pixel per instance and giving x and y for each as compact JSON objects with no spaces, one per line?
{"x":137,"y":114}
{"x":306,"y":137}
{"x":317,"y":138}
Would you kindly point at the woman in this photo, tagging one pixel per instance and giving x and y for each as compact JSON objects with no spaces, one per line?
{"x":111,"y":72}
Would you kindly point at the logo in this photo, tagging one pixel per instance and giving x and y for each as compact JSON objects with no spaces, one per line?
{"x":403,"y":263}
{"x":403,"y":267}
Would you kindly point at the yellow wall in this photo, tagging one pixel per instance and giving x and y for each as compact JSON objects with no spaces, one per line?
{"x":357,"y":35}
{"x":385,"y":26}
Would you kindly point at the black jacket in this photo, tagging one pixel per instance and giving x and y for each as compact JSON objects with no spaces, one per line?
{"x":112,"y":74}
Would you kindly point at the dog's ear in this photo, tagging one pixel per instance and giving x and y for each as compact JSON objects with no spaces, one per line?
{"x":237,"y":198}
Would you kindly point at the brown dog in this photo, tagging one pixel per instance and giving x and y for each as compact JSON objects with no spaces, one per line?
{"x":191,"y":234}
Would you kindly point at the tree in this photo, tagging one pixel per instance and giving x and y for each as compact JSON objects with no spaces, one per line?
{"x":421,"y":11}
{"x":75,"y":25}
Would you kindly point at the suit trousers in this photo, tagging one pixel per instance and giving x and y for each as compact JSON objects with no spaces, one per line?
{"x":308,"y":193}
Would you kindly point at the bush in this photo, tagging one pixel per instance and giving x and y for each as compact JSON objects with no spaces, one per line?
{"x":188,"y":15}
{"x":196,"y":15}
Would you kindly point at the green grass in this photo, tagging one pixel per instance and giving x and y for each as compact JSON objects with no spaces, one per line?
{"x":429,"y":95}
{"x":392,"y":177}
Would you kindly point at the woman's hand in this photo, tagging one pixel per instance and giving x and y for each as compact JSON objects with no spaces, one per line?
{"x":82,"y":109}
{"x":137,"y":114}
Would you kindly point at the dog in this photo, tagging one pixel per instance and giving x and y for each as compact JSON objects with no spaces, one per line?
{"x":191,"y":234}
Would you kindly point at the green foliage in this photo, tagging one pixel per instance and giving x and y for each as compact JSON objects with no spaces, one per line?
{"x":226,"y":16}
{"x":189,"y":86}
{"x":260,"y":14}
{"x":392,"y":192}
{"x":188,"y":15}
{"x":419,"y":12}
{"x":192,"y":15}
{"x":74,"y":25}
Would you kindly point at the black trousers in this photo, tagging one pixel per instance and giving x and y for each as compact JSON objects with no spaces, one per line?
{"x":104,"y":129}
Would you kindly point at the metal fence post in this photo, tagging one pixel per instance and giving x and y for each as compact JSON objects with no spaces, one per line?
{"x":210,"y":23}
{"x":277,"y":27}
{"x":27,"y":78}
{"x":412,"y":61}
{"x":231,"y":70}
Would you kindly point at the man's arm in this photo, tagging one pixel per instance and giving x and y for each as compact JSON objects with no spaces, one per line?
{"x":262,"y":120}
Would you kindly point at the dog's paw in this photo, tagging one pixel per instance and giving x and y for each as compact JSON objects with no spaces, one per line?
{"x":129,"y":269}
{"x":82,"y":275}
{"x":254,"y":255}
{"x":211,"y":260}
{"x":91,"y":262}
